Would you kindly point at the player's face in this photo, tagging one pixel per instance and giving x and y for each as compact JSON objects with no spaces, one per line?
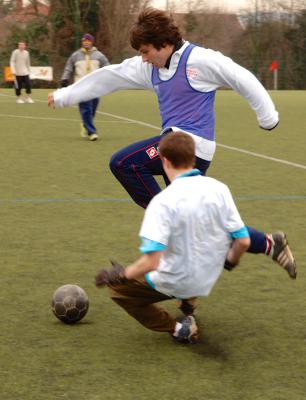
{"x":151,"y":55}
{"x":87,"y":44}
{"x":21,"y":45}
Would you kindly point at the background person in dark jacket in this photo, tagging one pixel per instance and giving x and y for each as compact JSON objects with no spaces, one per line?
{"x":80,"y":63}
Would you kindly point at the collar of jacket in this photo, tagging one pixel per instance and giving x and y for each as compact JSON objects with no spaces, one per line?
{"x":88,"y":50}
{"x":176,"y":47}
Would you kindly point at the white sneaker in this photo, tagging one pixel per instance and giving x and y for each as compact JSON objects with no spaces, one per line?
{"x":19,"y":100}
{"x":29,"y":100}
{"x":92,"y":137}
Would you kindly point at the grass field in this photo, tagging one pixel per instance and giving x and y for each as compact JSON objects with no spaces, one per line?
{"x":63,"y":216}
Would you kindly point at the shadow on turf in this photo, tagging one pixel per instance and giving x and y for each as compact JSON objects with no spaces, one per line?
{"x":79,"y":324}
{"x":206,"y":348}
{"x":209,"y":349}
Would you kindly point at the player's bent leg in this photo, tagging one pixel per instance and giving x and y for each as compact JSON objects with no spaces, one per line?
{"x":276,"y":245}
{"x":134,"y":167}
{"x":259,"y":242}
{"x":137,"y":299}
{"x":188,"y":306}
{"x":202,"y":165}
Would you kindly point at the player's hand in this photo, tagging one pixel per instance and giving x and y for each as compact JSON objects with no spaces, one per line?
{"x":270,"y":129}
{"x":112,"y":276}
{"x":229,"y":265}
{"x":51,"y":99}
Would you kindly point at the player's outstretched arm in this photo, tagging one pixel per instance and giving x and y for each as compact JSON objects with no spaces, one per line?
{"x":130,"y":74}
{"x":217,"y":68}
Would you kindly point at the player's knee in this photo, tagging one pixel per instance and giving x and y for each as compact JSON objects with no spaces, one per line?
{"x":115,"y":163}
{"x":119,"y":163}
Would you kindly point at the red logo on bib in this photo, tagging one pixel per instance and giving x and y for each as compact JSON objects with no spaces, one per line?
{"x":152,"y":152}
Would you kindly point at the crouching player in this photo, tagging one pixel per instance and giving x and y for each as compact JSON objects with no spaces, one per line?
{"x":190,"y":230}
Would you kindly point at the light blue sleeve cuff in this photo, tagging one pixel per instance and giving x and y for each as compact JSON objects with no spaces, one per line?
{"x":241,"y":233}
{"x":148,"y":279}
{"x":148,"y":246}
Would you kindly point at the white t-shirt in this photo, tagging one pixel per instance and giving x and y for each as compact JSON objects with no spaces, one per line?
{"x":206,"y":70}
{"x":193,"y":217}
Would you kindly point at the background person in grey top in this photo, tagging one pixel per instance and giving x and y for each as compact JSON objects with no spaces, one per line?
{"x":20,"y":65}
{"x":80,"y":63}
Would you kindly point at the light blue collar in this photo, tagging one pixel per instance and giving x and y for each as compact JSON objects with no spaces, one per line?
{"x":192,"y":172}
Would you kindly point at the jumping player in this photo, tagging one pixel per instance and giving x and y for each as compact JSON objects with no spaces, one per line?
{"x":185,"y":78}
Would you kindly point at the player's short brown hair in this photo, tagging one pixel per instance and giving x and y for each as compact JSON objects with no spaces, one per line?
{"x":154,"y":27}
{"x":179,"y":149}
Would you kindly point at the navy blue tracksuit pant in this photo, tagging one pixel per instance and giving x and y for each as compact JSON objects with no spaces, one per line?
{"x":88,"y":111}
{"x":135,"y":167}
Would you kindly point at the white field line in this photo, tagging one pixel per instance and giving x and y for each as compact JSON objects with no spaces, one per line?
{"x":251,"y":153}
{"x":42,"y":201}
{"x":58,"y":119}
{"x":134,"y":121}
{"x":218,"y":144}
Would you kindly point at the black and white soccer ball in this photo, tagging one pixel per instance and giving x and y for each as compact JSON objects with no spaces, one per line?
{"x":70,"y":303}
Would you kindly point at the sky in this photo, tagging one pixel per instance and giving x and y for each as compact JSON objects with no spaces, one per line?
{"x":226,"y":5}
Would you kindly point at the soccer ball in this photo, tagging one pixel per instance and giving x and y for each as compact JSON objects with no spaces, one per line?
{"x":70,"y":303}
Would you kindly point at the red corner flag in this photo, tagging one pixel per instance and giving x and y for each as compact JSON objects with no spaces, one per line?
{"x":273,"y":65}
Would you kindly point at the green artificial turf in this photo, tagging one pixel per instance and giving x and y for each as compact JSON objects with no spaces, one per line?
{"x":63,"y":216}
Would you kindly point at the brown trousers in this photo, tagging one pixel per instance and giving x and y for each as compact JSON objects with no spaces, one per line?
{"x":138,"y":299}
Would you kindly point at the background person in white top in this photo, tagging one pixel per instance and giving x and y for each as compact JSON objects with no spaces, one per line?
{"x":185,"y":78}
{"x":188,"y":232}
{"x":20,"y":66}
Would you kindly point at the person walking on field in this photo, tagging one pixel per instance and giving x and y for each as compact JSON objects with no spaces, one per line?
{"x":185,"y":78}
{"x":81,"y":63}
{"x":20,"y":66}
{"x":189,"y":231}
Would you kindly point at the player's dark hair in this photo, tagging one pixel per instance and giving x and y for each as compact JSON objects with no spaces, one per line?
{"x":179,"y":149}
{"x":154,"y":27}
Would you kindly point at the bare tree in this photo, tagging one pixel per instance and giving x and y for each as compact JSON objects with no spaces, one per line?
{"x":108,"y":20}
{"x":209,"y":26}
{"x":114,"y":22}
{"x":266,"y":39}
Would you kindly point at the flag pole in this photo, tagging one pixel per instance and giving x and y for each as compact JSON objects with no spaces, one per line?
{"x":274,"y":68}
{"x":275,"y":79}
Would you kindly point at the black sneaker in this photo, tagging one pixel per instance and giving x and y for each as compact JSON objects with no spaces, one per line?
{"x":282,"y":254}
{"x":188,"y":333}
